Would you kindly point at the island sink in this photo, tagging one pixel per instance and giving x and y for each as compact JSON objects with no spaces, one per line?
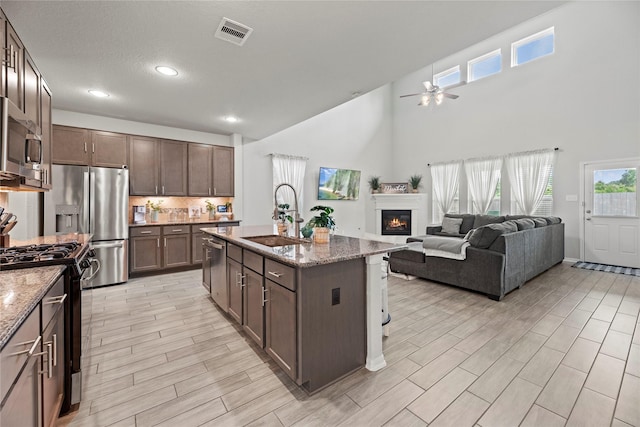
{"x":273,"y":240}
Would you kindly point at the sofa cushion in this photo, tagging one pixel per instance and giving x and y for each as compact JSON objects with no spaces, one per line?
{"x":467,"y":221}
{"x":481,"y":220}
{"x":440,"y":233}
{"x":552,"y":220}
{"x":539,"y":222}
{"x":484,"y":236}
{"x":451,"y":225}
{"x":524,"y":223}
{"x":509,"y":217}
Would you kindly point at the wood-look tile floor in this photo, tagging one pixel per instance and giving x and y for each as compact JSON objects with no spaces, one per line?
{"x":563,"y":350}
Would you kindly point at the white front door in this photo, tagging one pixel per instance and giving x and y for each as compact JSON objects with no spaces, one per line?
{"x":611,"y":222}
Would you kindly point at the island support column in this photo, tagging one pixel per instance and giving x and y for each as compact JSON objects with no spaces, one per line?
{"x":375,"y":358}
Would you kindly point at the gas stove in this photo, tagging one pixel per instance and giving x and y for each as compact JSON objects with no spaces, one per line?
{"x":69,"y":253}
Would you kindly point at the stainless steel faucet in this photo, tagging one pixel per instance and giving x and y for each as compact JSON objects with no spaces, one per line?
{"x":297,"y":218}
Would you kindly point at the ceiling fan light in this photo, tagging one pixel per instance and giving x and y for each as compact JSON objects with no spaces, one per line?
{"x":439,"y":98}
{"x":425,"y":100}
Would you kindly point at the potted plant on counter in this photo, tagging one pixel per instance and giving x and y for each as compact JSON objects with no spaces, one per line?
{"x":414,"y":182}
{"x":154,"y":209}
{"x":323,"y":223}
{"x":282,"y":218}
{"x":211,"y":208}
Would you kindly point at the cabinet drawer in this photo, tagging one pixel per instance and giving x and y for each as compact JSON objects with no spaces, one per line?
{"x":144,"y":231}
{"x":53,"y":301}
{"x":280,"y":273}
{"x":175,"y":229}
{"x":253,"y":261}
{"x":198,"y":228}
{"x":22,"y":341}
{"x":234,"y":252}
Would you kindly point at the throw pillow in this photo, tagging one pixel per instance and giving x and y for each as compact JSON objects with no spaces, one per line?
{"x":484,"y":236}
{"x":525,"y":224}
{"x":540,"y":222}
{"x":467,"y":221}
{"x":451,"y":225}
{"x":486,"y":220}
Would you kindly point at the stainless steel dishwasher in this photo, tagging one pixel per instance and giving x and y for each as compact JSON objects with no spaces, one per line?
{"x":214,"y":270}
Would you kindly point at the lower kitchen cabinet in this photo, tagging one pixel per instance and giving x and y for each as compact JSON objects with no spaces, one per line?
{"x":234,"y":281}
{"x":177,"y":246}
{"x":145,"y":251}
{"x":253,"y":304}
{"x":280,"y":325}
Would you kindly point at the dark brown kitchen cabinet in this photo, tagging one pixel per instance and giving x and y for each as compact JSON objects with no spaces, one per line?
{"x":108,"y":149}
{"x":280,"y":326}
{"x":234,"y":281}
{"x":76,"y":146}
{"x":253,"y":304}
{"x":31,"y":90}
{"x":70,"y":145}
{"x":14,"y":67}
{"x":223,"y":171}
{"x":173,"y":168}
{"x":45,"y":113}
{"x":177,"y":246}
{"x":146,"y":254}
{"x":210,"y":170}
{"x":200,"y":170}
{"x":144,"y":172}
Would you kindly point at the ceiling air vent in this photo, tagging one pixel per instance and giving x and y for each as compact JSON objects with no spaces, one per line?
{"x":233,"y":31}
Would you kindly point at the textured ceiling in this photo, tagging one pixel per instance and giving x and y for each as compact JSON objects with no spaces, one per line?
{"x":303,"y":58}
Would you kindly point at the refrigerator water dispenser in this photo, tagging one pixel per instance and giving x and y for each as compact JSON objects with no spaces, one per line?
{"x":67,"y":218}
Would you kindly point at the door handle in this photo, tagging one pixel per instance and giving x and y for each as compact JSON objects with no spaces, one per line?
{"x":588,"y":219}
{"x":108,"y":245}
{"x":588,"y":211}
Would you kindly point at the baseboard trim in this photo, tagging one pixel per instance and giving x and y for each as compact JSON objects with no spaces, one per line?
{"x":570,"y":260}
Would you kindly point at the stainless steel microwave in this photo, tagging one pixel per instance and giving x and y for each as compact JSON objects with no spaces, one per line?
{"x":20,"y":147}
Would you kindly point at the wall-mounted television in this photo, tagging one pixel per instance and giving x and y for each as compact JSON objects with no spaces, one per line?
{"x":338,"y":184}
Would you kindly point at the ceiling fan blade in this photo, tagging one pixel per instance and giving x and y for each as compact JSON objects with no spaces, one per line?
{"x":428,"y":85}
{"x":411,"y":94}
{"x":450,"y":95}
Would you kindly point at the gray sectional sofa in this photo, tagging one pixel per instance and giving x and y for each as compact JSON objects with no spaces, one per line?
{"x":504,"y":252}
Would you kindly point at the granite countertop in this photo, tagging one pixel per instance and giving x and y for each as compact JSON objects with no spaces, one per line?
{"x":20,"y":291}
{"x":307,"y":254}
{"x":187,"y":222}
{"x":83,"y":239}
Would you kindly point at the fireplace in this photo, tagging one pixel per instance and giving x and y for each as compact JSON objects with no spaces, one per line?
{"x":396,"y":222}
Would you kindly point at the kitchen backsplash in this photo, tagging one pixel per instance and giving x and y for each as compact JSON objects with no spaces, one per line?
{"x":180,"y":204}
{"x":4,"y":200}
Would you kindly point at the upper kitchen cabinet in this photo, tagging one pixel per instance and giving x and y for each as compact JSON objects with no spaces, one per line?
{"x":200,"y":170}
{"x":46,"y":126}
{"x":223,"y":171}
{"x":157,"y":167}
{"x":173,"y":168}
{"x":31,"y":90}
{"x":13,"y":67}
{"x":144,"y":173}
{"x":75,"y":146}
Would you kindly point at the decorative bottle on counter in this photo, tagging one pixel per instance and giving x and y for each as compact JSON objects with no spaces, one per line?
{"x":154,"y":215}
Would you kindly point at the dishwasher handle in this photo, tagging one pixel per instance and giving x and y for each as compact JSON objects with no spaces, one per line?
{"x":210,"y":243}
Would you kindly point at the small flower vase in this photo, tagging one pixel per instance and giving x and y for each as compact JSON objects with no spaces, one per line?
{"x":154,"y":215}
{"x":212,"y":215}
{"x":321,"y":235}
{"x":414,"y":190}
{"x":282,"y":228}
{"x":306,"y":232}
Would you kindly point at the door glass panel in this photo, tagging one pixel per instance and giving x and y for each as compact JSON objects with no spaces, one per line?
{"x":614,"y":192}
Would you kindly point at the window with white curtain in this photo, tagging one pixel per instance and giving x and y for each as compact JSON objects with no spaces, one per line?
{"x":530,"y":175}
{"x":445,"y":178}
{"x":483,"y":176}
{"x":494,"y":206}
{"x":290,"y":170}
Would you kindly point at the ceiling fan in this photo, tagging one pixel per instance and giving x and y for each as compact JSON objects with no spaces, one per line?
{"x":435,"y":93}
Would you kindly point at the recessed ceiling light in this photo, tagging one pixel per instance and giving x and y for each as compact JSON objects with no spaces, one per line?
{"x":98,"y":93}
{"x":167,"y":71}
{"x":231,"y":119}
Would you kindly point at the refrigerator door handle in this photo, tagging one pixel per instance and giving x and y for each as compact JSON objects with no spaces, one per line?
{"x":85,"y":227}
{"x":92,"y":201}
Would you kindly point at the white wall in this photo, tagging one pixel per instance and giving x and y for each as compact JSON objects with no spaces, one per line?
{"x":584,"y":99}
{"x":354,"y":135}
{"x":70,"y":118}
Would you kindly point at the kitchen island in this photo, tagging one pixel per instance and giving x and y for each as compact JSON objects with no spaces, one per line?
{"x":314,"y":308}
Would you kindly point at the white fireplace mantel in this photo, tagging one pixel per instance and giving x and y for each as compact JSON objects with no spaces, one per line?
{"x":415,"y":202}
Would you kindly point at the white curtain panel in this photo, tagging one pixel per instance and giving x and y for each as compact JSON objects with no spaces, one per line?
{"x":445,"y":178}
{"x":290,"y":170}
{"x":483,"y":176}
{"x":529,"y":175}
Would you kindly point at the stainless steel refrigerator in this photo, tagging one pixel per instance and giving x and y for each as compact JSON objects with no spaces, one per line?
{"x":92,"y":201}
